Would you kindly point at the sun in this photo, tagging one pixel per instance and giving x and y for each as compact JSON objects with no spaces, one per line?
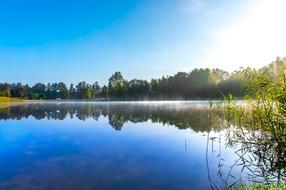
{"x":254,"y":40}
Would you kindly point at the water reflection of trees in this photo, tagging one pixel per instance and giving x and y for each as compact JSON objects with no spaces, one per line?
{"x":182,"y":116}
{"x":261,"y":155}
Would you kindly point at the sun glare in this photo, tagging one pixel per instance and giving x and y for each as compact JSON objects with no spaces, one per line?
{"x":256,"y":39}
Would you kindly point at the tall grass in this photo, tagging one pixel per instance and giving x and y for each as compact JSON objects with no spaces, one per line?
{"x":259,"y":187}
{"x":258,"y":127}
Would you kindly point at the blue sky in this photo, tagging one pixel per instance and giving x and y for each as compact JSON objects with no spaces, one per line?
{"x":75,"y":40}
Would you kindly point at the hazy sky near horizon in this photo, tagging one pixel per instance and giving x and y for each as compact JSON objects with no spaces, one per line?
{"x":75,"y":40}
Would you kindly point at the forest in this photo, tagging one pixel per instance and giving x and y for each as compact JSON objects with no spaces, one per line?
{"x":200,"y":83}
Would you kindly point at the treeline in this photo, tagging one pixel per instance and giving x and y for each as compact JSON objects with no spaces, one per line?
{"x":197,"y":84}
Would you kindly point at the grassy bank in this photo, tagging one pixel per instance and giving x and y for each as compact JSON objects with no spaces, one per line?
{"x":7,"y":100}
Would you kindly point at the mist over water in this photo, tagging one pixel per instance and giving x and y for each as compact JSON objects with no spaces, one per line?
{"x":115,"y":145}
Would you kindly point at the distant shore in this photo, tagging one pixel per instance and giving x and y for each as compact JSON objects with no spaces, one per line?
{"x":19,"y":100}
{"x":4,"y":100}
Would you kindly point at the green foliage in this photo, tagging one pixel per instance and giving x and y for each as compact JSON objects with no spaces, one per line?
{"x":104,"y":92}
{"x":259,"y":187}
{"x":5,"y":90}
{"x":258,"y":125}
{"x":39,"y":91}
{"x":197,"y":84}
{"x":95,"y":90}
{"x":83,"y":90}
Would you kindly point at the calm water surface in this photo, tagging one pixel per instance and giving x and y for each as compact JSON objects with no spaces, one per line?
{"x":84,"y":146}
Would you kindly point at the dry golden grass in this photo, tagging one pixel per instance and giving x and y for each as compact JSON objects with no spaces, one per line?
{"x":6,"y":99}
{"x":6,"y":102}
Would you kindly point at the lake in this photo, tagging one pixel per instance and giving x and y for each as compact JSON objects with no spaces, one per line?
{"x":117,"y":145}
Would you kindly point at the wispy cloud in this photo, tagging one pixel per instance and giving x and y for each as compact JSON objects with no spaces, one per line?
{"x":194,"y":5}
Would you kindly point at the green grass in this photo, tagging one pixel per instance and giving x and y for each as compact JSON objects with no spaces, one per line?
{"x":259,"y":187}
